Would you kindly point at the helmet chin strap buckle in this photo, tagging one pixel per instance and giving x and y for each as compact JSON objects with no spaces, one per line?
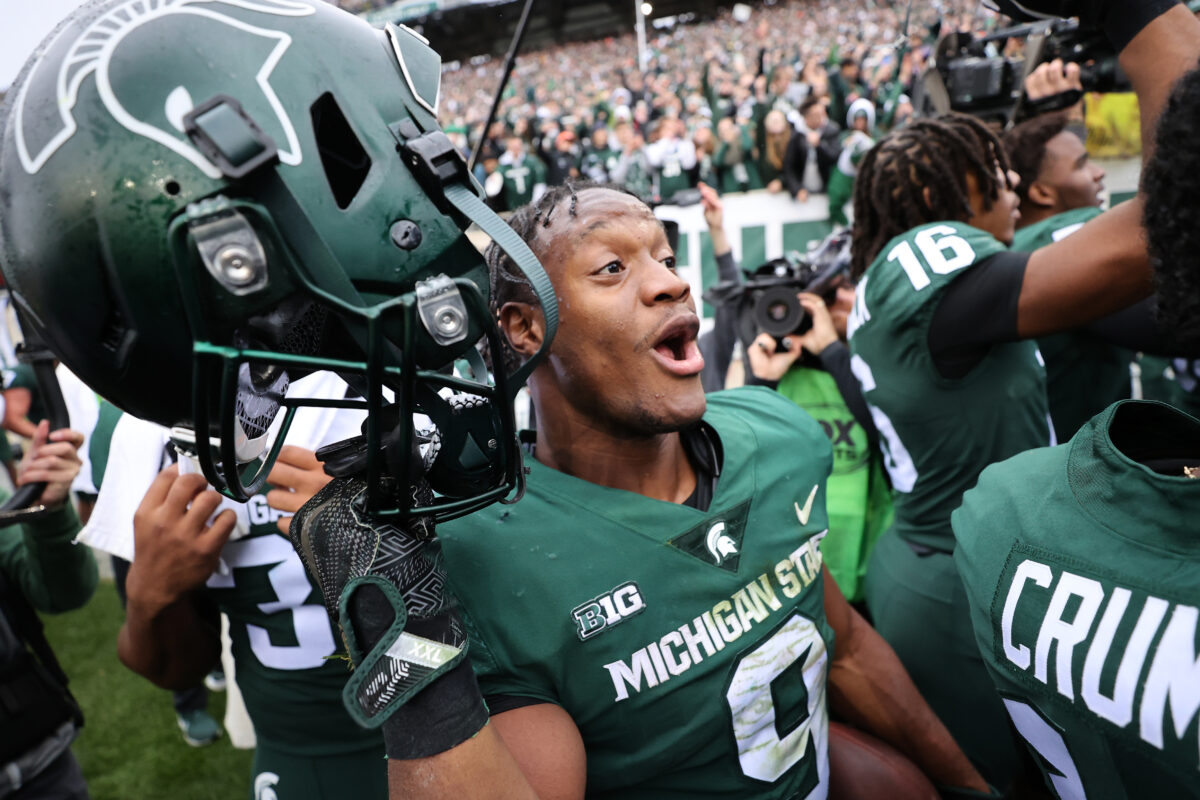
{"x":228,"y":246}
{"x":434,"y":162}
{"x":442,"y":310}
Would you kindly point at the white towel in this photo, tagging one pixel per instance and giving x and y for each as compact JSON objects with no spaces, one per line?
{"x":136,"y":456}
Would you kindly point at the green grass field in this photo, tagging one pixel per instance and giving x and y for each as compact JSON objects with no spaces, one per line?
{"x":130,"y":747}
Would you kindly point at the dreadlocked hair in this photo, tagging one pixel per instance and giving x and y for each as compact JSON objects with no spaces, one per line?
{"x":1171,"y":188}
{"x":1025,"y":145}
{"x":931,"y":155}
{"x":506,"y":282}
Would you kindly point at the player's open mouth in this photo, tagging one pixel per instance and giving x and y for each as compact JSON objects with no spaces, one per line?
{"x":676,"y":348}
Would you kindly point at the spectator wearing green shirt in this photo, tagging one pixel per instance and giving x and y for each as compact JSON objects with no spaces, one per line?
{"x":41,"y":570}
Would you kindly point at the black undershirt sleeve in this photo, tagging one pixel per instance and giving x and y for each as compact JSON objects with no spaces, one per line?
{"x":977,"y":310}
{"x":1136,"y":328}
{"x":499,"y":703}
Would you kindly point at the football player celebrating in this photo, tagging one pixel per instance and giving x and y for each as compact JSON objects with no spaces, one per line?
{"x":663,"y":625}
{"x":1080,"y":560}
{"x":936,"y":335}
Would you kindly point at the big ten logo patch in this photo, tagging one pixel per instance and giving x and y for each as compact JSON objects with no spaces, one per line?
{"x":604,"y":611}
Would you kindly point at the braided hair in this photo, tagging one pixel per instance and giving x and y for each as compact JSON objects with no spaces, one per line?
{"x":506,"y":282}
{"x":931,"y":155}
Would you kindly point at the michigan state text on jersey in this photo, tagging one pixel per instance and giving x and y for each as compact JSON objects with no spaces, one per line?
{"x":620,"y":409}
{"x":690,"y":646}
{"x":1081,"y":568}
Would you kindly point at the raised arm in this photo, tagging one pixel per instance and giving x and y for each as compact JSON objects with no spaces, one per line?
{"x":1104,"y":266}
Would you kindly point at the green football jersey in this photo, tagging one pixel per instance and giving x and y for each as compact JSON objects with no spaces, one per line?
{"x":598,"y":164}
{"x":1084,"y":375}
{"x":1082,"y":569}
{"x":289,"y":659}
{"x":938,"y":433}
{"x":690,"y":647}
{"x":290,"y":662}
{"x":1052,"y":229}
{"x":520,"y":178}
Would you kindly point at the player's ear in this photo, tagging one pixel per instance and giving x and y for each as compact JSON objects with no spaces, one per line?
{"x":523,"y":325}
{"x":1042,"y":195}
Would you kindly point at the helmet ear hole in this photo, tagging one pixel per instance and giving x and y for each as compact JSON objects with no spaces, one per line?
{"x":345,"y":161}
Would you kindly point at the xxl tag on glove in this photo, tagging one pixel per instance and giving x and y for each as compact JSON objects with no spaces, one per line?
{"x":399,"y":665}
{"x":385,"y":586}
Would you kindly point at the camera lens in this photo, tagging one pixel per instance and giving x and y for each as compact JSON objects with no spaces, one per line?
{"x":778,"y":312}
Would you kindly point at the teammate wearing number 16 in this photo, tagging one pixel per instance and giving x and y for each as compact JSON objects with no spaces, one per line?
{"x":940,"y":341}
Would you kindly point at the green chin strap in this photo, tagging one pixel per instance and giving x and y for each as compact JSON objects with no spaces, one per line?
{"x":442,"y":174}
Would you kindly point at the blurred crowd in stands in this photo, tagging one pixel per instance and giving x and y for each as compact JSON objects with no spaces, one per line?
{"x":785,"y":98}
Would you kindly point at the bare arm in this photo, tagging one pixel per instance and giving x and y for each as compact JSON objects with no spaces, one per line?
{"x":1104,"y":266}
{"x":167,"y":636}
{"x":530,"y":752}
{"x":869,"y":687}
{"x":714,"y":217}
{"x":171,"y":646}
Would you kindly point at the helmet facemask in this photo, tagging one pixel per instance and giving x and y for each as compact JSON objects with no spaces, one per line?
{"x":284,"y":205}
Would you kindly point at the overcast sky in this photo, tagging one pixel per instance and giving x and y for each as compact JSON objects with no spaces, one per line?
{"x":25,"y":23}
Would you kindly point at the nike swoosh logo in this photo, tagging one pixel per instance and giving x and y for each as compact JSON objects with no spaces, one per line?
{"x":803,"y":514}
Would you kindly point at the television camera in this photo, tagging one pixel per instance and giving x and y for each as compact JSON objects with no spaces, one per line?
{"x":766,"y":301}
{"x":985,"y":75}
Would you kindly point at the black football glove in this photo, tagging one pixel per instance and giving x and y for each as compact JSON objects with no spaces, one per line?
{"x":386,"y":588}
{"x":1121,"y":20}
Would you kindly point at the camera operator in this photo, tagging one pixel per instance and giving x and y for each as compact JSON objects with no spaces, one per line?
{"x":40,"y":568}
{"x":813,"y":370}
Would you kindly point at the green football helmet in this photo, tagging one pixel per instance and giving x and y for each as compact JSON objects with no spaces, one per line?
{"x":203,"y":200}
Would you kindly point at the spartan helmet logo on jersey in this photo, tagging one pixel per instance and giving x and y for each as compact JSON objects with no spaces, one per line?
{"x":719,"y":543}
{"x":154,"y":109}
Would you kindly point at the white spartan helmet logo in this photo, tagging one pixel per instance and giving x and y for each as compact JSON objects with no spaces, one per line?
{"x":720,"y":544}
{"x":97,"y":50}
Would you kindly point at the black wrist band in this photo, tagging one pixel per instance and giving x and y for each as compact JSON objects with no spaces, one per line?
{"x":1124,"y":19}
{"x":443,"y":715}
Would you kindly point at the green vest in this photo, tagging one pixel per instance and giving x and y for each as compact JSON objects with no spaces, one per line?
{"x":1084,"y":375}
{"x":859,"y":501}
{"x":1080,"y":568}
{"x":938,"y":433}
